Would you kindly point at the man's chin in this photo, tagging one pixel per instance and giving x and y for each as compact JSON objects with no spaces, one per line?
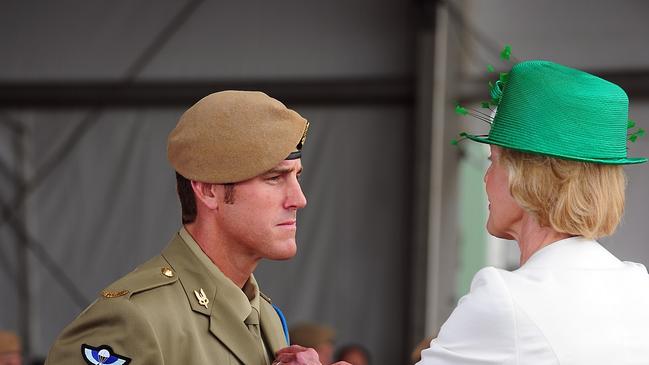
{"x":287,"y":253}
{"x":281,"y":258}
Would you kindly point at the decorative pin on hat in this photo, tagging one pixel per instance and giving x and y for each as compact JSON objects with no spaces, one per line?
{"x":546,"y":108}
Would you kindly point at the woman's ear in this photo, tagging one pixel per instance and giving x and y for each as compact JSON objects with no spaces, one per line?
{"x":206,"y":193}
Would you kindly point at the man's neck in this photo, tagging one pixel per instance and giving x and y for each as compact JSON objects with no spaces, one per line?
{"x":227,"y":256}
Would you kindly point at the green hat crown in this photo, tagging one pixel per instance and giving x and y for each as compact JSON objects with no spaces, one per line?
{"x":554,"y":110}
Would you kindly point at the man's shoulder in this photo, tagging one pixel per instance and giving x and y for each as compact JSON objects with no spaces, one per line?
{"x":121,"y":314}
{"x":130,"y":294}
{"x":152,"y":274}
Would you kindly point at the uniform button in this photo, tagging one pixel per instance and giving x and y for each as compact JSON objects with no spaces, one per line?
{"x":167,"y":272}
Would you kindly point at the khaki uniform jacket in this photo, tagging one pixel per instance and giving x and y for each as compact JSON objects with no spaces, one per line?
{"x":152,"y":316}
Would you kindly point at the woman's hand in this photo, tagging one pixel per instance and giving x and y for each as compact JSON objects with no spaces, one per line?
{"x":298,"y":355}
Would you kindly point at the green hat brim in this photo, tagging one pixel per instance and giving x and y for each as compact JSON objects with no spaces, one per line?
{"x":607,"y":161}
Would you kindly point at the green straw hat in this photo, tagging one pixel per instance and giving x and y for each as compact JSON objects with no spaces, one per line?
{"x":550,"y":109}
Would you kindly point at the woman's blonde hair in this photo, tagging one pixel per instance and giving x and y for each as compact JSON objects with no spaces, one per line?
{"x":578,"y":198}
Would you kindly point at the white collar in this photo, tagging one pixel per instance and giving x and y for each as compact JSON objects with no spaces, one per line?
{"x":573,"y":252}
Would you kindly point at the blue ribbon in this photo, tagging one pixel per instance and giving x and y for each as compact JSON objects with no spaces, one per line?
{"x":283,"y":320}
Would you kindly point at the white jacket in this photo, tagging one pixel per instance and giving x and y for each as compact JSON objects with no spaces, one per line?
{"x":571,"y":303}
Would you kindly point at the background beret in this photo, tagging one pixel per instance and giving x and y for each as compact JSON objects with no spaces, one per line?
{"x":9,"y":342}
{"x":311,"y":334}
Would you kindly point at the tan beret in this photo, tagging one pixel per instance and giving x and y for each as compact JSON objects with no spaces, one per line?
{"x":9,"y":342}
{"x":231,"y":136}
{"x":311,"y":334}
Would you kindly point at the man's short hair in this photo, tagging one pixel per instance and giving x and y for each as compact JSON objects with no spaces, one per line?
{"x":188,"y":199}
{"x":579,"y":198}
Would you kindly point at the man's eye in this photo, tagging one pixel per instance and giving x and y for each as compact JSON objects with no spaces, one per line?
{"x":273,"y":178}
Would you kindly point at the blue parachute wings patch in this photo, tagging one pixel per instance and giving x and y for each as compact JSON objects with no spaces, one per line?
{"x":102,"y":355}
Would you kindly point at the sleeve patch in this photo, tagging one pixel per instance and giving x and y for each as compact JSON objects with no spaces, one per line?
{"x":102,"y":355}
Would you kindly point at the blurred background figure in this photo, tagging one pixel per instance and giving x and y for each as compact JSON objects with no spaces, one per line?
{"x":354,"y":354}
{"x":317,"y":336}
{"x":10,"y":349}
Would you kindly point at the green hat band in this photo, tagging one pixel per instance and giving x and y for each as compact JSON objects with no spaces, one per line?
{"x":555,"y":110}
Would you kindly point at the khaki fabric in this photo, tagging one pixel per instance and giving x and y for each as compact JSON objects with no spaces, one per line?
{"x":231,"y":136}
{"x":153,"y":318}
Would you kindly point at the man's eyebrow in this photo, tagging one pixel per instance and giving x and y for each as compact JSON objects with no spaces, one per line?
{"x":282,"y":170}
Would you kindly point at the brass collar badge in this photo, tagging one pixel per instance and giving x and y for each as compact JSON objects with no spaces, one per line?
{"x":202,"y":298}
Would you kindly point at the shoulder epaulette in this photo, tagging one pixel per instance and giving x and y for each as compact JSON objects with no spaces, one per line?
{"x":152,"y":274}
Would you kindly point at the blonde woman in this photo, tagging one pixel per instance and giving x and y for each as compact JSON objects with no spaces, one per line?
{"x":555,"y":185}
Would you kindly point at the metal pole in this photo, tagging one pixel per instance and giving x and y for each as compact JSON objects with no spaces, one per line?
{"x":22,"y":252}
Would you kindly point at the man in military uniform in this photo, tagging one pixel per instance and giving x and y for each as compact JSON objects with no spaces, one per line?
{"x":237,"y":158}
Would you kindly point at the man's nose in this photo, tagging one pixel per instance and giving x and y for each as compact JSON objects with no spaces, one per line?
{"x":295,"y":197}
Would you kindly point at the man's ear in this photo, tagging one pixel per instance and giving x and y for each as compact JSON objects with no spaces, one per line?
{"x":207,"y":194}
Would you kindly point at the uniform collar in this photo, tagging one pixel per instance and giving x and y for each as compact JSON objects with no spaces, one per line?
{"x":573,"y":252}
{"x":226,"y":288}
{"x":228,"y":306}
